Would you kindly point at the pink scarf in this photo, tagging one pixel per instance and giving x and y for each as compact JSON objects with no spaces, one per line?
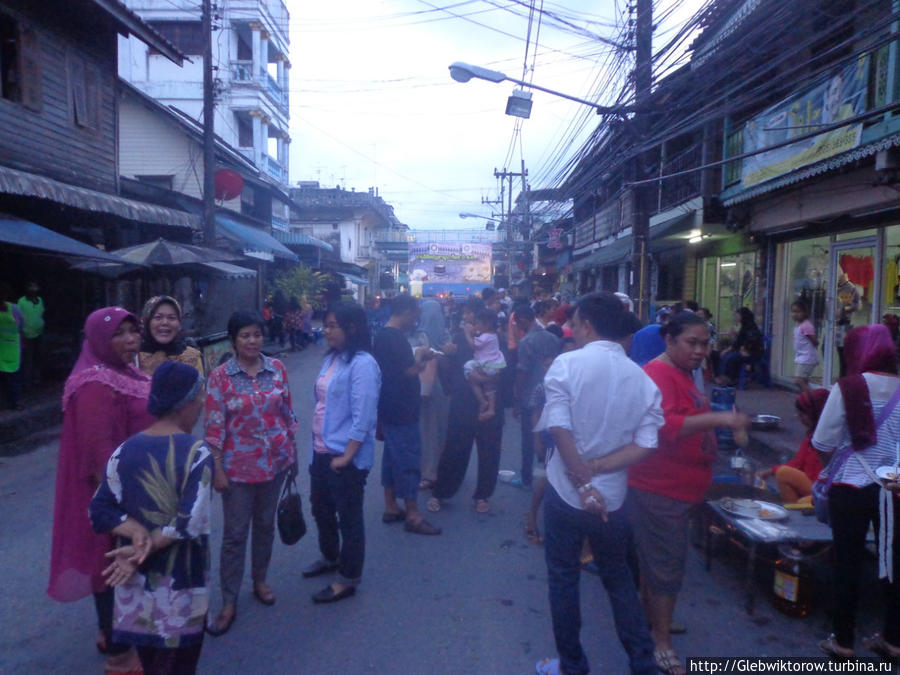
{"x":98,"y":361}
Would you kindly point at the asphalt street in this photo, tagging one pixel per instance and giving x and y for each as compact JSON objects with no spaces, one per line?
{"x":472,"y":600}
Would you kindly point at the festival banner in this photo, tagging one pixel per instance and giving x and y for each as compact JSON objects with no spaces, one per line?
{"x":460,"y":267}
{"x":839,"y":96}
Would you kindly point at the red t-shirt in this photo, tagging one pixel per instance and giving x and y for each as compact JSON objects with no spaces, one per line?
{"x":806,"y":460}
{"x":681,"y":468}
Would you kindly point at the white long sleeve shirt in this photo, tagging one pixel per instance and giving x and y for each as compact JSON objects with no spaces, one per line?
{"x":606,"y":401}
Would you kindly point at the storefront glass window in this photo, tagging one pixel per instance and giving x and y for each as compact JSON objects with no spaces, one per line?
{"x":728,"y":283}
{"x":807,"y":279}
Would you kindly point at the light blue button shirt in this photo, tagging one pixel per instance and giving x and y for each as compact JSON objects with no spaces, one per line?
{"x":351,"y":406}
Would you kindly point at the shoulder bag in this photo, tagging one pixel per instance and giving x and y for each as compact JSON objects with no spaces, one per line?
{"x":822,"y":486}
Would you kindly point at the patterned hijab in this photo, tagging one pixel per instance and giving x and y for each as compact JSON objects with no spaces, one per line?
{"x":98,"y":361}
{"x":148,"y":343}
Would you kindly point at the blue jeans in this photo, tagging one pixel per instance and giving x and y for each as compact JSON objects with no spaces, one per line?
{"x":565,"y":529}
{"x":401,"y":464}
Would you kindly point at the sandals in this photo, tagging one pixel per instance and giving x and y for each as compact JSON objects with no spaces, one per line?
{"x":264,"y":593}
{"x":876,"y":643}
{"x":393,"y":516}
{"x":221,"y":626}
{"x":832,"y":649}
{"x":482,"y":506}
{"x":547,"y":666}
{"x":668,"y":662}
{"x":433,"y":504}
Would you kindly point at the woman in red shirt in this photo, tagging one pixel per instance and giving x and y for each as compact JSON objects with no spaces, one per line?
{"x":795,"y":477}
{"x":664,"y":488}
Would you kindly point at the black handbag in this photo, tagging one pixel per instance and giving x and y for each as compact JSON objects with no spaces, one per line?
{"x":291,"y":526}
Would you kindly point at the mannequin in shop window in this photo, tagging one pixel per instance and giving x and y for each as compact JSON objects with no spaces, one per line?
{"x":848,"y":301}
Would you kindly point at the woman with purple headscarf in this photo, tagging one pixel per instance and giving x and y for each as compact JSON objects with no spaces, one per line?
{"x":104,"y":403}
{"x":848,"y":435}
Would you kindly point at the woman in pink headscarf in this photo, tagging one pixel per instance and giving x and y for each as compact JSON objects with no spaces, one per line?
{"x":104,"y":403}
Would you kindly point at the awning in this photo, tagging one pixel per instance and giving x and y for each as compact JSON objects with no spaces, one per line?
{"x":228,"y":270}
{"x":31,"y":185}
{"x":660,"y":233}
{"x":359,"y":281}
{"x":31,"y":235}
{"x":299,"y":239}
{"x":612,"y":253}
{"x":255,"y":243}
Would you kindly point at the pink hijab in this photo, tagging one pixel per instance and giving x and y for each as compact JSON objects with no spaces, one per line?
{"x":98,"y":361}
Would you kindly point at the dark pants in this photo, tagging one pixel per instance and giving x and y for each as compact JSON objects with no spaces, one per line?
{"x":104,"y":603}
{"x":337,"y":506}
{"x":527,"y":427}
{"x":167,"y":661}
{"x":11,"y":382}
{"x":243,"y":503}
{"x":31,"y":360}
{"x":463,"y":430}
{"x":565,"y":530}
{"x":851,"y":510}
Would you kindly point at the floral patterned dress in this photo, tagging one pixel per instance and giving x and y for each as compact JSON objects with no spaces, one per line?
{"x":164,"y":483}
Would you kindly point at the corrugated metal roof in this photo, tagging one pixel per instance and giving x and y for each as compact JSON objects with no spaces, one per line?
{"x":32,"y":185}
{"x":228,"y":270}
{"x":829,"y":164}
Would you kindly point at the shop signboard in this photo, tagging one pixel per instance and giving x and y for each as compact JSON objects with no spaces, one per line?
{"x":461,"y":267}
{"x":839,"y":96}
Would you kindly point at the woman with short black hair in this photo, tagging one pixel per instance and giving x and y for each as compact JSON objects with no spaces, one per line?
{"x":250,"y":427}
{"x":343,"y":448}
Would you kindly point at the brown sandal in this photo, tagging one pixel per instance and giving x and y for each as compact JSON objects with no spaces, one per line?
{"x":668,"y":662}
{"x":876,"y":643}
{"x":831,"y":647}
{"x":221,"y":625}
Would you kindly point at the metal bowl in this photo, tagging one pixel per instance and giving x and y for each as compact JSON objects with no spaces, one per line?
{"x":765,"y":422}
{"x":505,"y":475}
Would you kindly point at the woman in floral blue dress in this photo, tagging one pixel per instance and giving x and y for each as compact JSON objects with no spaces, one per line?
{"x":161,"y":479}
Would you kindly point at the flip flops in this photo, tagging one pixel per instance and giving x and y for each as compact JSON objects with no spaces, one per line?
{"x":547,"y":666}
{"x":877,"y":644}
{"x":668,"y":662}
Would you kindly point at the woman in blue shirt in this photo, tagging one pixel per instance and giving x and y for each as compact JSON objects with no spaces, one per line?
{"x":343,"y":448}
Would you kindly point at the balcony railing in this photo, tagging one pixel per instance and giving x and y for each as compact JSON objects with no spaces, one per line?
{"x":274,"y":169}
{"x":275,"y":89}
{"x":242,"y":71}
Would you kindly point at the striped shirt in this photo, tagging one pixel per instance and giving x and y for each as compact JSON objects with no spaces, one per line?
{"x":831,"y":432}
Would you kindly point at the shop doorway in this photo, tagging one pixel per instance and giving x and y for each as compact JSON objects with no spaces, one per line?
{"x":851,"y":297}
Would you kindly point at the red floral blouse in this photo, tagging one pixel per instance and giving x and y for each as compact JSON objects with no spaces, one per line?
{"x":251,"y":419}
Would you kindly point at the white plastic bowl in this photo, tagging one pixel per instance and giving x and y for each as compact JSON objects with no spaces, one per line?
{"x":505,"y":475}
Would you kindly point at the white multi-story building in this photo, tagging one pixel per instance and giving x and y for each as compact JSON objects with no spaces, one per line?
{"x":250,"y":54}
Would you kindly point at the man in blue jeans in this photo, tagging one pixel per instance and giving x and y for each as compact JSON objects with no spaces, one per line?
{"x":598,"y":396}
{"x":398,"y":415}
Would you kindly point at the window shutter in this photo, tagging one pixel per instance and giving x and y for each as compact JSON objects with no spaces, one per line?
{"x":30,"y":69}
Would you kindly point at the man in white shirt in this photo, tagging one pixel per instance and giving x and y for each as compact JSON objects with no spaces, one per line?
{"x":603,"y":412}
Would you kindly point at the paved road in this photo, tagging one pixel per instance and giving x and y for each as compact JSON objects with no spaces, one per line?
{"x":472,"y":600}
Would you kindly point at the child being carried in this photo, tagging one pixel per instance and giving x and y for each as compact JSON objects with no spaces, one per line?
{"x":481,"y":372}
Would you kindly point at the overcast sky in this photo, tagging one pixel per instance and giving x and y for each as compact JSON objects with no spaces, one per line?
{"x":373,"y":105}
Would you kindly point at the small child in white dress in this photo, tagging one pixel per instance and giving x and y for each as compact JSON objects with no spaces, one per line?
{"x":481,"y":372}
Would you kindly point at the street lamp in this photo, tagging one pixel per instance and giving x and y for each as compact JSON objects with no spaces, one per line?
{"x":519,"y":104}
{"x":489,"y":226}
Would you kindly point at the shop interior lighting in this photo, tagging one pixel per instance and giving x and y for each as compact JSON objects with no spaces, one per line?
{"x":728,"y":264}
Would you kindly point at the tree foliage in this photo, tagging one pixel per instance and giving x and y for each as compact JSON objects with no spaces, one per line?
{"x":303,"y":281}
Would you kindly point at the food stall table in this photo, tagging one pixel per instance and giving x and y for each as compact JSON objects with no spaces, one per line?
{"x":795,"y":529}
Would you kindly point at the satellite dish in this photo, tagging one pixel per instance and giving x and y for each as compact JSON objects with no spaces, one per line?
{"x":229,"y":184}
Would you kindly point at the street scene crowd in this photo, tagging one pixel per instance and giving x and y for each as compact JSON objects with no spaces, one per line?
{"x":617,"y":447}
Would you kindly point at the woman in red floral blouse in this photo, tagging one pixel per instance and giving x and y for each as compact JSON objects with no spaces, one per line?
{"x":250,"y":428}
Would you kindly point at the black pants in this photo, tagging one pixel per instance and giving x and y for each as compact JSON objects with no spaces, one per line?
{"x":337,"y":506}
{"x":167,"y":661}
{"x":464,"y":429}
{"x":851,"y":510}
{"x":104,"y":603}
{"x":527,"y":430}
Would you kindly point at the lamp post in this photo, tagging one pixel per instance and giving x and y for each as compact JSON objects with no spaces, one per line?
{"x":463,"y":72}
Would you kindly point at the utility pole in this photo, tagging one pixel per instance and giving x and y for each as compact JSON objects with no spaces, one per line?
{"x":643,"y":82}
{"x":209,"y":147}
{"x":509,"y":175}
